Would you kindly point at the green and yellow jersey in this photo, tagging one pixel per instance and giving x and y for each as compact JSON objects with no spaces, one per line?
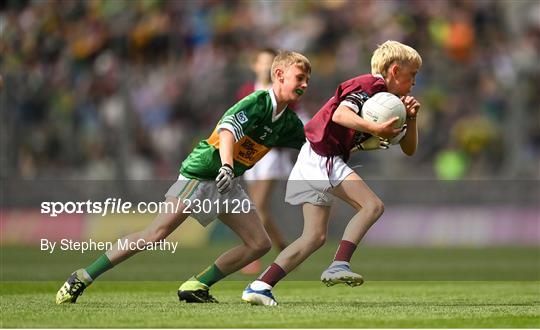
{"x":256,"y":129}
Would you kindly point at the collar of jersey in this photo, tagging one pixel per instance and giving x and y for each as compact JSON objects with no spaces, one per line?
{"x":274,"y":106}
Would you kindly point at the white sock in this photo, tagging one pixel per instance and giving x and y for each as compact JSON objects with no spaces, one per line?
{"x":260,"y":285}
{"x":87,"y":279}
{"x":338,"y":263}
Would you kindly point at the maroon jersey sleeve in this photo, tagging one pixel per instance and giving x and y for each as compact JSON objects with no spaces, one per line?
{"x":328,"y":138}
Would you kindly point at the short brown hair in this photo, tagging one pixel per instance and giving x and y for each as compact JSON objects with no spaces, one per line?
{"x":286,"y":58}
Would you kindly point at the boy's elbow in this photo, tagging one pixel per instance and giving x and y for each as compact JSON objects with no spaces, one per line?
{"x":408,"y":150}
{"x":336,"y":117}
{"x":340,"y":116}
{"x":409,"y":153}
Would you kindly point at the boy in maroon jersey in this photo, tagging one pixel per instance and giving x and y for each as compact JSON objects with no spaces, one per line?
{"x":321,"y":172}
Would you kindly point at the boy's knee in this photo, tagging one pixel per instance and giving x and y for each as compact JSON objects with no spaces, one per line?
{"x":316,"y":241}
{"x":266,"y":246}
{"x":379,"y":207}
{"x":320,"y":240}
{"x":262,"y":246}
{"x":375,"y":207}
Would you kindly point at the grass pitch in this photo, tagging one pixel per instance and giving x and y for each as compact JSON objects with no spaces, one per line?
{"x":303,"y":304}
{"x":405,"y":288}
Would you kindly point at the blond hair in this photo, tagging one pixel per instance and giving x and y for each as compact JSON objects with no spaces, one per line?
{"x":285,"y":59}
{"x":392,"y":52}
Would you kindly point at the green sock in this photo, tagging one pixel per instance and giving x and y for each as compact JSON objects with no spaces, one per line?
{"x":210,"y":275}
{"x":98,"y":267}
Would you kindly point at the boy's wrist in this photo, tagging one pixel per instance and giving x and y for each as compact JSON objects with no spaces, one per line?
{"x":373,"y":128}
{"x":412,"y":118}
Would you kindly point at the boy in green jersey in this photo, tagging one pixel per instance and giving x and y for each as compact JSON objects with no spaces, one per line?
{"x":208,"y":186}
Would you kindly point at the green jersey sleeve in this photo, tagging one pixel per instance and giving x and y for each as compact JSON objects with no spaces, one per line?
{"x":244,"y":114}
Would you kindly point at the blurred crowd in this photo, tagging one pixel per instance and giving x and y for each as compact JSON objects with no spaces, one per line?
{"x":123,"y":89}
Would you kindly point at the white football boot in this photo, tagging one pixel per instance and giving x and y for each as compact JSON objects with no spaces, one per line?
{"x":341,"y":273}
{"x":262,"y":297}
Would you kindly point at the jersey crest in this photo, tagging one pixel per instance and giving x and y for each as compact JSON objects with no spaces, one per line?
{"x":241,"y":117}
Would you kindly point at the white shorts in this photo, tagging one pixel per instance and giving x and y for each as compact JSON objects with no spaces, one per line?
{"x":309,"y":181}
{"x":275,"y":165}
{"x":204,"y":203}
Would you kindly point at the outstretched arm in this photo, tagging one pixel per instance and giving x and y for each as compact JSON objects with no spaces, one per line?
{"x":226,"y":146}
{"x":225,"y":174}
{"x":345,"y":116}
